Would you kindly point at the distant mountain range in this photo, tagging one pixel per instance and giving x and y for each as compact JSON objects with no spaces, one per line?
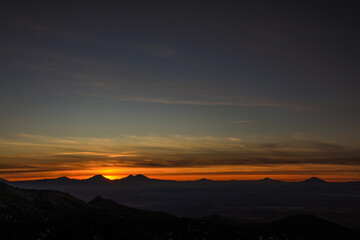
{"x":142,"y":178}
{"x":47,"y":214}
{"x":262,"y":200}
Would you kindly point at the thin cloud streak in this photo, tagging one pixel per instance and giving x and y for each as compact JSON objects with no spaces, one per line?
{"x":176,"y":152}
{"x":122,"y":80}
{"x":251,"y":102}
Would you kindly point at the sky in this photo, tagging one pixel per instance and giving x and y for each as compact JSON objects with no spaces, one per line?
{"x":180,"y":90}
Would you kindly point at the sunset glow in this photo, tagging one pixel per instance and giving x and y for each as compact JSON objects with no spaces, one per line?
{"x":223,"y":93}
{"x":177,"y":157}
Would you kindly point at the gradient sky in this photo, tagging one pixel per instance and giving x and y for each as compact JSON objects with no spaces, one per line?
{"x":180,"y":90}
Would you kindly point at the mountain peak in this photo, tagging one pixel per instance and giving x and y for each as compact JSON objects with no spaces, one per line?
{"x":314,"y":180}
{"x":204,"y":180}
{"x":98,"y":177}
{"x":63,"y":178}
{"x":305,"y":220}
{"x":97,"y":199}
{"x":138,"y":177}
{"x":269,"y":180}
{"x":3,"y":180}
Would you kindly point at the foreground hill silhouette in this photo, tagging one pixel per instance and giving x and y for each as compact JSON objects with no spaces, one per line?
{"x":262,"y":200}
{"x":45,"y":214}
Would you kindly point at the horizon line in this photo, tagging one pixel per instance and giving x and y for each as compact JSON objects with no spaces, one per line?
{"x":197,"y":179}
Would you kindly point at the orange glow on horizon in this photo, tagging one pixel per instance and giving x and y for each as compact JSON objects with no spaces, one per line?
{"x":31,"y":157}
{"x":290,"y":173}
{"x":113,"y":175}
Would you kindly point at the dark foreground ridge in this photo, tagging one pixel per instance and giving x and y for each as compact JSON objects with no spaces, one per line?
{"x":45,"y":214}
{"x":264,"y":200}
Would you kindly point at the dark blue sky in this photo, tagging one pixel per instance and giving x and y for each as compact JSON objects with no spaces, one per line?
{"x":281,"y":74}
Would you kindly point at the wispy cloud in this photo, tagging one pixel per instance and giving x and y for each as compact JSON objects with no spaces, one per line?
{"x":111,"y":81}
{"x":36,"y":153}
{"x":240,"y":102}
{"x":254,"y":103}
{"x":181,"y":150}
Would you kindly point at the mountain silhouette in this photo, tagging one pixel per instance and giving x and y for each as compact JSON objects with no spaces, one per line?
{"x":310,"y":226}
{"x":46,"y":214}
{"x":64,"y":178}
{"x":264,"y":200}
{"x":314,"y":180}
{"x":136,"y":178}
{"x":3,"y":180}
{"x":11,"y":197}
{"x":204,"y":180}
{"x":48,"y":181}
{"x":97,"y":179}
{"x":270,"y":180}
